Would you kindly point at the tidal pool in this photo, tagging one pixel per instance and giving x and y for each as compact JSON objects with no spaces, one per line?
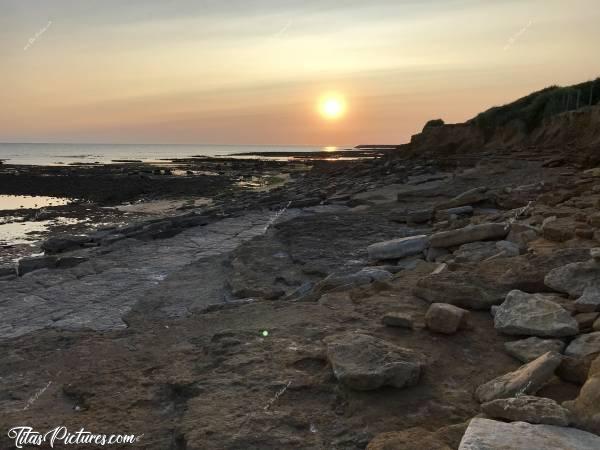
{"x":9,"y":202}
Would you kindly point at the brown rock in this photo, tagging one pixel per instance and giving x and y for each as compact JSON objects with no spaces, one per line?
{"x":586,"y":407}
{"x":445,"y":318}
{"x":527,"y":408}
{"x":527,"y":379}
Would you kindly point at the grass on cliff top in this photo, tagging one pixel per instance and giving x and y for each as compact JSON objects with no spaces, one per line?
{"x":530,"y":111}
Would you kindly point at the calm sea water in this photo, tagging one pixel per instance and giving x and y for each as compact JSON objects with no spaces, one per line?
{"x":47,"y":154}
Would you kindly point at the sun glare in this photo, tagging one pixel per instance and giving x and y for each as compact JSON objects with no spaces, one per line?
{"x":332,"y":106}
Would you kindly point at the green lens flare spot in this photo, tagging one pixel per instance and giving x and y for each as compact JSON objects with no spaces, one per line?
{"x":265,"y":333}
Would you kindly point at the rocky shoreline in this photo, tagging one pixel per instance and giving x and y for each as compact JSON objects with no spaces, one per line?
{"x":411,"y":301}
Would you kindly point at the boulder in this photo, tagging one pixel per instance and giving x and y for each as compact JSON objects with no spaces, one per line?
{"x":470,"y":197}
{"x":363,"y":362}
{"x":486,"y":434}
{"x":527,"y":408}
{"x":574,"y":369}
{"x":589,"y":300}
{"x":471,"y":233}
{"x":586,"y":407}
{"x":398,"y":319}
{"x":445,"y":318}
{"x":526,"y":350}
{"x":458,"y":288}
{"x":558,"y":230}
{"x":584,"y":345}
{"x":534,"y":315}
{"x":397,"y":248}
{"x":527,"y":379}
{"x":574,"y":278}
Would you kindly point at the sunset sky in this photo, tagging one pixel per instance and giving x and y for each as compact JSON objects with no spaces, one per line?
{"x":253,"y":71}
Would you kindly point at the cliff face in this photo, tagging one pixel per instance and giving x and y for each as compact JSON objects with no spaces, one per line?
{"x":575,"y":131}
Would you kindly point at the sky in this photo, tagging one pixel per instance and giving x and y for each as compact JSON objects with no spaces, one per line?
{"x":253,"y":71}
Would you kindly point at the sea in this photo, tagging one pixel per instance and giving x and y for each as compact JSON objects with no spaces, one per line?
{"x":64,"y":154}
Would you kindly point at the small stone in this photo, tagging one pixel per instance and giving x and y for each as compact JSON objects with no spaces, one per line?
{"x":445,"y":318}
{"x":527,"y":408}
{"x":595,"y":253}
{"x":526,"y":350}
{"x":398,"y":319}
{"x":527,"y":379}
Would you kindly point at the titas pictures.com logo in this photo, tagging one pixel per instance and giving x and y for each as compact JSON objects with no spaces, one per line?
{"x":27,"y":436}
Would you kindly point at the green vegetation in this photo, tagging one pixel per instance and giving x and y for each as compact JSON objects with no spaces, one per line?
{"x":529,"y":112}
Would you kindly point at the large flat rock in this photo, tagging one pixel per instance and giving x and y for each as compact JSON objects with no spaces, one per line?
{"x":363,"y":362}
{"x":485,"y":434}
{"x":534,"y":315}
{"x":574,"y":278}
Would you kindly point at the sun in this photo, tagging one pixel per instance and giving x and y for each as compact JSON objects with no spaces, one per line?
{"x":332,"y":106}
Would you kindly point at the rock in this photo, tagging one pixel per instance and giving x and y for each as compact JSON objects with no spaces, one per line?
{"x":589,"y":300}
{"x":575,"y":370}
{"x":595,"y":253}
{"x":420,"y":216}
{"x":469,"y":197}
{"x":445,"y":318}
{"x":29,"y":264}
{"x":410,"y":439}
{"x":397,"y":248}
{"x":461,"y":289}
{"x":485,"y":434}
{"x":433,"y":253}
{"x":534,"y":315}
{"x":586,"y":407}
{"x":475,"y":252}
{"x":584,"y":345}
{"x":398,"y":319}
{"x":521,"y":235}
{"x":60,"y":244}
{"x":375,"y":273}
{"x":527,"y":379}
{"x":586,"y":321}
{"x":574,"y":278}
{"x":558,"y":230}
{"x":508,"y":248}
{"x":526,"y":350}
{"x":527,"y":408}
{"x":363,"y":362}
{"x":468,"y":234}
{"x":461,"y":211}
